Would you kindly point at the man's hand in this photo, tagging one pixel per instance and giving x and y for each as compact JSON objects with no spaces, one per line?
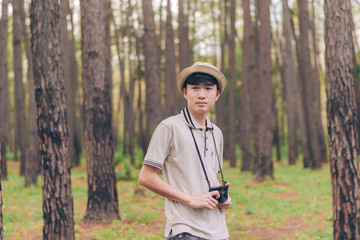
{"x":205,"y":201}
{"x":225,"y":205}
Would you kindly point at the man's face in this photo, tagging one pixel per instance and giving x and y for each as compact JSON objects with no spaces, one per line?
{"x":201,"y":98}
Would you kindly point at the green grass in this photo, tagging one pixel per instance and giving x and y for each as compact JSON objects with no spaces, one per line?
{"x":295,"y":205}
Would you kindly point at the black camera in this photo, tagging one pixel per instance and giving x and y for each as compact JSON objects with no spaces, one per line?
{"x":223,"y":191}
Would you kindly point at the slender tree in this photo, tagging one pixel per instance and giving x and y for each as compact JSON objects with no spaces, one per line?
{"x":232,"y":123}
{"x":32,"y":158}
{"x":248,"y":66}
{"x":220,"y":104}
{"x":317,"y":97}
{"x":4,"y":86}
{"x":52,"y":122}
{"x":264,"y":167}
{"x":141,"y":133}
{"x":130,"y":95}
{"x":153,"y":107}
{"x":78,"y":128}
{"x":170,"y":74}
{"x":289,"y":78}
{"x":102,"y":194}
{"x":341,"y":110}
{"x":300,"y":110}
{"x":183,"y":31}
{"x":307,"y":80}
{"x":67,"y":67}
{"x":19,"y":92}
{"x":184,"y":45}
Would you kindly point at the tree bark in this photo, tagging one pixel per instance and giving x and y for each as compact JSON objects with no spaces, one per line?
{"x":275,"y":127}
{"x":170,"y":66}
{"x":307,"y":80}
{"x":300,"y":110}
{"x":130,"y":95}
{"x":78,"y":123}
{"x":220,"y":104}
{"x":232,"y":107}
{"x":102,"y":194}
{"x":289,"y":75}
{"x":19,"y":93}
{"x":317,"y":97}
{"x":248,"y":66}
{"x":141,"y":133}
{"x":4,"y":87}
{"x":341,"y":107}
{"x":264,"y":167}
{"x":184,"y":46}
{"x":153,"y":107}
{"x":68,"y":77}
{"x":52,"y":122}
{"x":32,"y":153}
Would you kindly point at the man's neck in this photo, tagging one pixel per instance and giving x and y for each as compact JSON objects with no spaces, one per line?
{"x":200,"y":118}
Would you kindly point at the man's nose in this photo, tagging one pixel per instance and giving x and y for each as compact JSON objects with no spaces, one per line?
{"x":201,"y":93}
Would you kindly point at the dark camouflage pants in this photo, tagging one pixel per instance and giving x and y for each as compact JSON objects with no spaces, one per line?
{"x":183,"y":236}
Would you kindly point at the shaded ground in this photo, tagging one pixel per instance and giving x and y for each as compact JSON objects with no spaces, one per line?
{"x":297,"y":205}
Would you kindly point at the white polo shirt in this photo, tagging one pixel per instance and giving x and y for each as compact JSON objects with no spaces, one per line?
{"x":172,"y":149}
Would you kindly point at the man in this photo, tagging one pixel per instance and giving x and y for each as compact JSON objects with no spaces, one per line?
{"x":189,"y":148}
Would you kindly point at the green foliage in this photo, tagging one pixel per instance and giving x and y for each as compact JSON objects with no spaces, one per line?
{"x":295,"y":205}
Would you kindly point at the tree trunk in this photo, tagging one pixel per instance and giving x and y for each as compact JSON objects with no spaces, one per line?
{"x":130,"y":95}
{"x":170,"y":74}
{"x":153,"y":107}
{"x":215,"y":33}
{"x":67,"y":66}
{"x":289,"y":75}
{"x":264,"y":167}
{"x":220,"y":104}
{"x":19,"y":93}
{"x":275,"y":127}
{"x":341,"y":107}
{"x":184,"y":46}
{"x":356,"y":77}
{"x":4,"y":87}
{"x":317,"y":97}
{"x":232,"y":123}
{"x":32,"y":154}
{"x":78,"y":126}
{"x":307,"y":81}
{"x":102,"y":202}
{"x":248,"y":62}
{"x":300,"y":110}
{"x":141,"y":134}
{"x":52,"y":122}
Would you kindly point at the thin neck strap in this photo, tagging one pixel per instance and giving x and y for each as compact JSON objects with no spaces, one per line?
{"x":201,"y":161}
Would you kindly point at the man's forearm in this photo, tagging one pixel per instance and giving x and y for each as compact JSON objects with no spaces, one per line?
{"x":151,"y":180}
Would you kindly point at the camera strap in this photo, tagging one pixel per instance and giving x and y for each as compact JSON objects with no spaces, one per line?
{"x":201,"y":161}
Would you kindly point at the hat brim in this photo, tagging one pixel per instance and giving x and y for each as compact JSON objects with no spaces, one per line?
{"x":201,"y":68}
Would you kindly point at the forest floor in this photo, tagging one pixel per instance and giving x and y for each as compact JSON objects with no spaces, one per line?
{"x":295,"y":205}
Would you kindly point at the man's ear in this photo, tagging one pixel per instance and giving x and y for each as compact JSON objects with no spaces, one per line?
{"x":184,"y":92}
{"x":218,"y":93}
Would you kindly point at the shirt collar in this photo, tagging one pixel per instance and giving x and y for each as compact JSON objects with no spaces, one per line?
{"x":192,"y":123}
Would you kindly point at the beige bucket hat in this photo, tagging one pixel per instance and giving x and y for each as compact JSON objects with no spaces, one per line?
{"x":201,"y":67}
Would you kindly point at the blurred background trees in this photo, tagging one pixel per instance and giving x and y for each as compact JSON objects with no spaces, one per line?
{"x":272,"y":53}
{"x":151,"y":41}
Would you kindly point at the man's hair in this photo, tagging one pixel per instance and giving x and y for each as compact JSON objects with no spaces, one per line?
{"x":197,"y":78}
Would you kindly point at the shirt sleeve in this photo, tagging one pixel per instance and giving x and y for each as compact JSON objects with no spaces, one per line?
{"x":159,"y":146}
